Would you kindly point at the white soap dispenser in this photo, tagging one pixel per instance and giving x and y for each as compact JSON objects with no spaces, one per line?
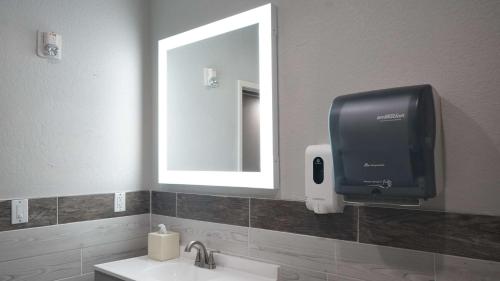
{"x":320,"y":192}
{"x":163,"y":245}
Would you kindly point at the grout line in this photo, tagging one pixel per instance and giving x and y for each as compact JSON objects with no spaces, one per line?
{"x":216,"y":195}
{"x":176,"y":196}
{"x":69,"y":195}
{"x":248,"y":241}
{"x":81,"y":261}
{"x":57,"y":210}
{"x":71,"y":277}
{"x":249,"y":225}
{"x":150,"y":211}
{"x":435,"y":266}
{"x":357,"y":231}
{"x":249,"y":213}
{"x":335,"y":246}
{"x":62,"y":224}
{"x":37,"y":255}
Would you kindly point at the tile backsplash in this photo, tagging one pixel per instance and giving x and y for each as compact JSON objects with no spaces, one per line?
{"x":473,"y":236}
{"x":70,"y":250}
{"x":66,"y":236}
{"x":360,"y":244}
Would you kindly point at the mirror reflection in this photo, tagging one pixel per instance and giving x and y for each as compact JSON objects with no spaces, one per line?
{"x":213,"y":103}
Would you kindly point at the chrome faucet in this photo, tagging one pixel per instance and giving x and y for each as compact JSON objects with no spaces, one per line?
{"x":202,"y":258}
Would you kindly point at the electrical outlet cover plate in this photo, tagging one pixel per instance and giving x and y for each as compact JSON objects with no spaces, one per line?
{"x":19,"y":211}
{"x":120,"y":199}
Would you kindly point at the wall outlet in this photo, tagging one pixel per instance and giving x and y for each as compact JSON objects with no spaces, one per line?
{"x":19,"y":211}
{"x":120,"y":199}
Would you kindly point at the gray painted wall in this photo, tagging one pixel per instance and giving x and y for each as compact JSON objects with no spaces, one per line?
{"x":327,"y":48}
{"x":78,"y":125}
{"x":83,"y":125}
{"x":203,"y":122}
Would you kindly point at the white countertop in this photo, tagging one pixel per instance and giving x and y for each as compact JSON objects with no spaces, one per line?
{"x":229,"y":268}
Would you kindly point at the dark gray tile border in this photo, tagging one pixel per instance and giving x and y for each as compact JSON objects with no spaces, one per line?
{"x":473,"y":236}
{"x":42,"y":212}
{"x":228,"y":210}
{"x":138,"y":202}
{"x":163,"y":203}
{"x":85,"y":207}
{"x":293,"y":216}
{"x":100,"y":206}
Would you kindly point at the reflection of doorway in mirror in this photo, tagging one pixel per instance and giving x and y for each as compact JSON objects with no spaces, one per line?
{"x":248,"y":126}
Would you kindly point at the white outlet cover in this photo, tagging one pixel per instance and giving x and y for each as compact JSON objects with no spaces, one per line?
{"x":120,"y":199}
{"x":19,"y":211}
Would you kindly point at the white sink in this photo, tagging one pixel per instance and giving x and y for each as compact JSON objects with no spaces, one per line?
{"x":229,"y":268}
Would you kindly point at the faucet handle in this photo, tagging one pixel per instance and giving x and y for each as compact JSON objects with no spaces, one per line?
{"x":211,"y":260}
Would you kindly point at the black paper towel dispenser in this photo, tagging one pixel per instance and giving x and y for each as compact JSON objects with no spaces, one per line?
{"x":386,"y":144}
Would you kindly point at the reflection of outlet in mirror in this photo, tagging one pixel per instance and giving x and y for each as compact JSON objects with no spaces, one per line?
{"x":120,"y":200}
{"x":19,"y":211}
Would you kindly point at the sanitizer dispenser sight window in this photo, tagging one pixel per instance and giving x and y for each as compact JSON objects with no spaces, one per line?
{"x":387,"y":143}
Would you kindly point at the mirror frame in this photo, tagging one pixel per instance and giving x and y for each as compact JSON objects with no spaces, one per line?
{"x":267,"y":177}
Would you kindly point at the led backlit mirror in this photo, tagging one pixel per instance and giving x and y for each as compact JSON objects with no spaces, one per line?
{"x":217,"y":103}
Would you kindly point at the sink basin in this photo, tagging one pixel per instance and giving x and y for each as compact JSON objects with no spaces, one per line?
{"x":229,"y":268}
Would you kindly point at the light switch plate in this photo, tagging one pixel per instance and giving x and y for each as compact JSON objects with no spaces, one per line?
{"x":120,"y":199}
{"x":19,"y":211}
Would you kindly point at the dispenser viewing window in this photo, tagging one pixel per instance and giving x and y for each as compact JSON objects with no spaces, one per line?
{"x":386,"y":144}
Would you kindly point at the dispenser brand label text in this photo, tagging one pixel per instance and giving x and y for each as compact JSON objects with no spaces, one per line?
{"x":391,"y":117}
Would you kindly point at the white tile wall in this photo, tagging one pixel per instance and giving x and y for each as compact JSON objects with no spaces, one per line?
{"x":302,"y":251}
{"x":293,"y":274}
{"x":113,"y":251}
{"x":450,"y":268}
{"x":227,"y":238}
{"x":46,"y":267}
{"x":55,"y":252}
{"x":378,"y":263}
{"x":30,"y":242}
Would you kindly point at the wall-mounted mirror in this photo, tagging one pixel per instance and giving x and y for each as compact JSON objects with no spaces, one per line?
{"x":217,"y":112}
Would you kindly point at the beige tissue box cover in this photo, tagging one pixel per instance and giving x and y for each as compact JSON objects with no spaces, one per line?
{"x":162,"y":247}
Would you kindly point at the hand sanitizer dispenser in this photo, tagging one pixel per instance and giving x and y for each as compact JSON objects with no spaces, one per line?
{"x":320,"y":195}
{"x":386,"y":144}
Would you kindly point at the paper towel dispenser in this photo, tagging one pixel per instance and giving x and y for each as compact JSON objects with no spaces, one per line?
{"x":386,"y":144}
